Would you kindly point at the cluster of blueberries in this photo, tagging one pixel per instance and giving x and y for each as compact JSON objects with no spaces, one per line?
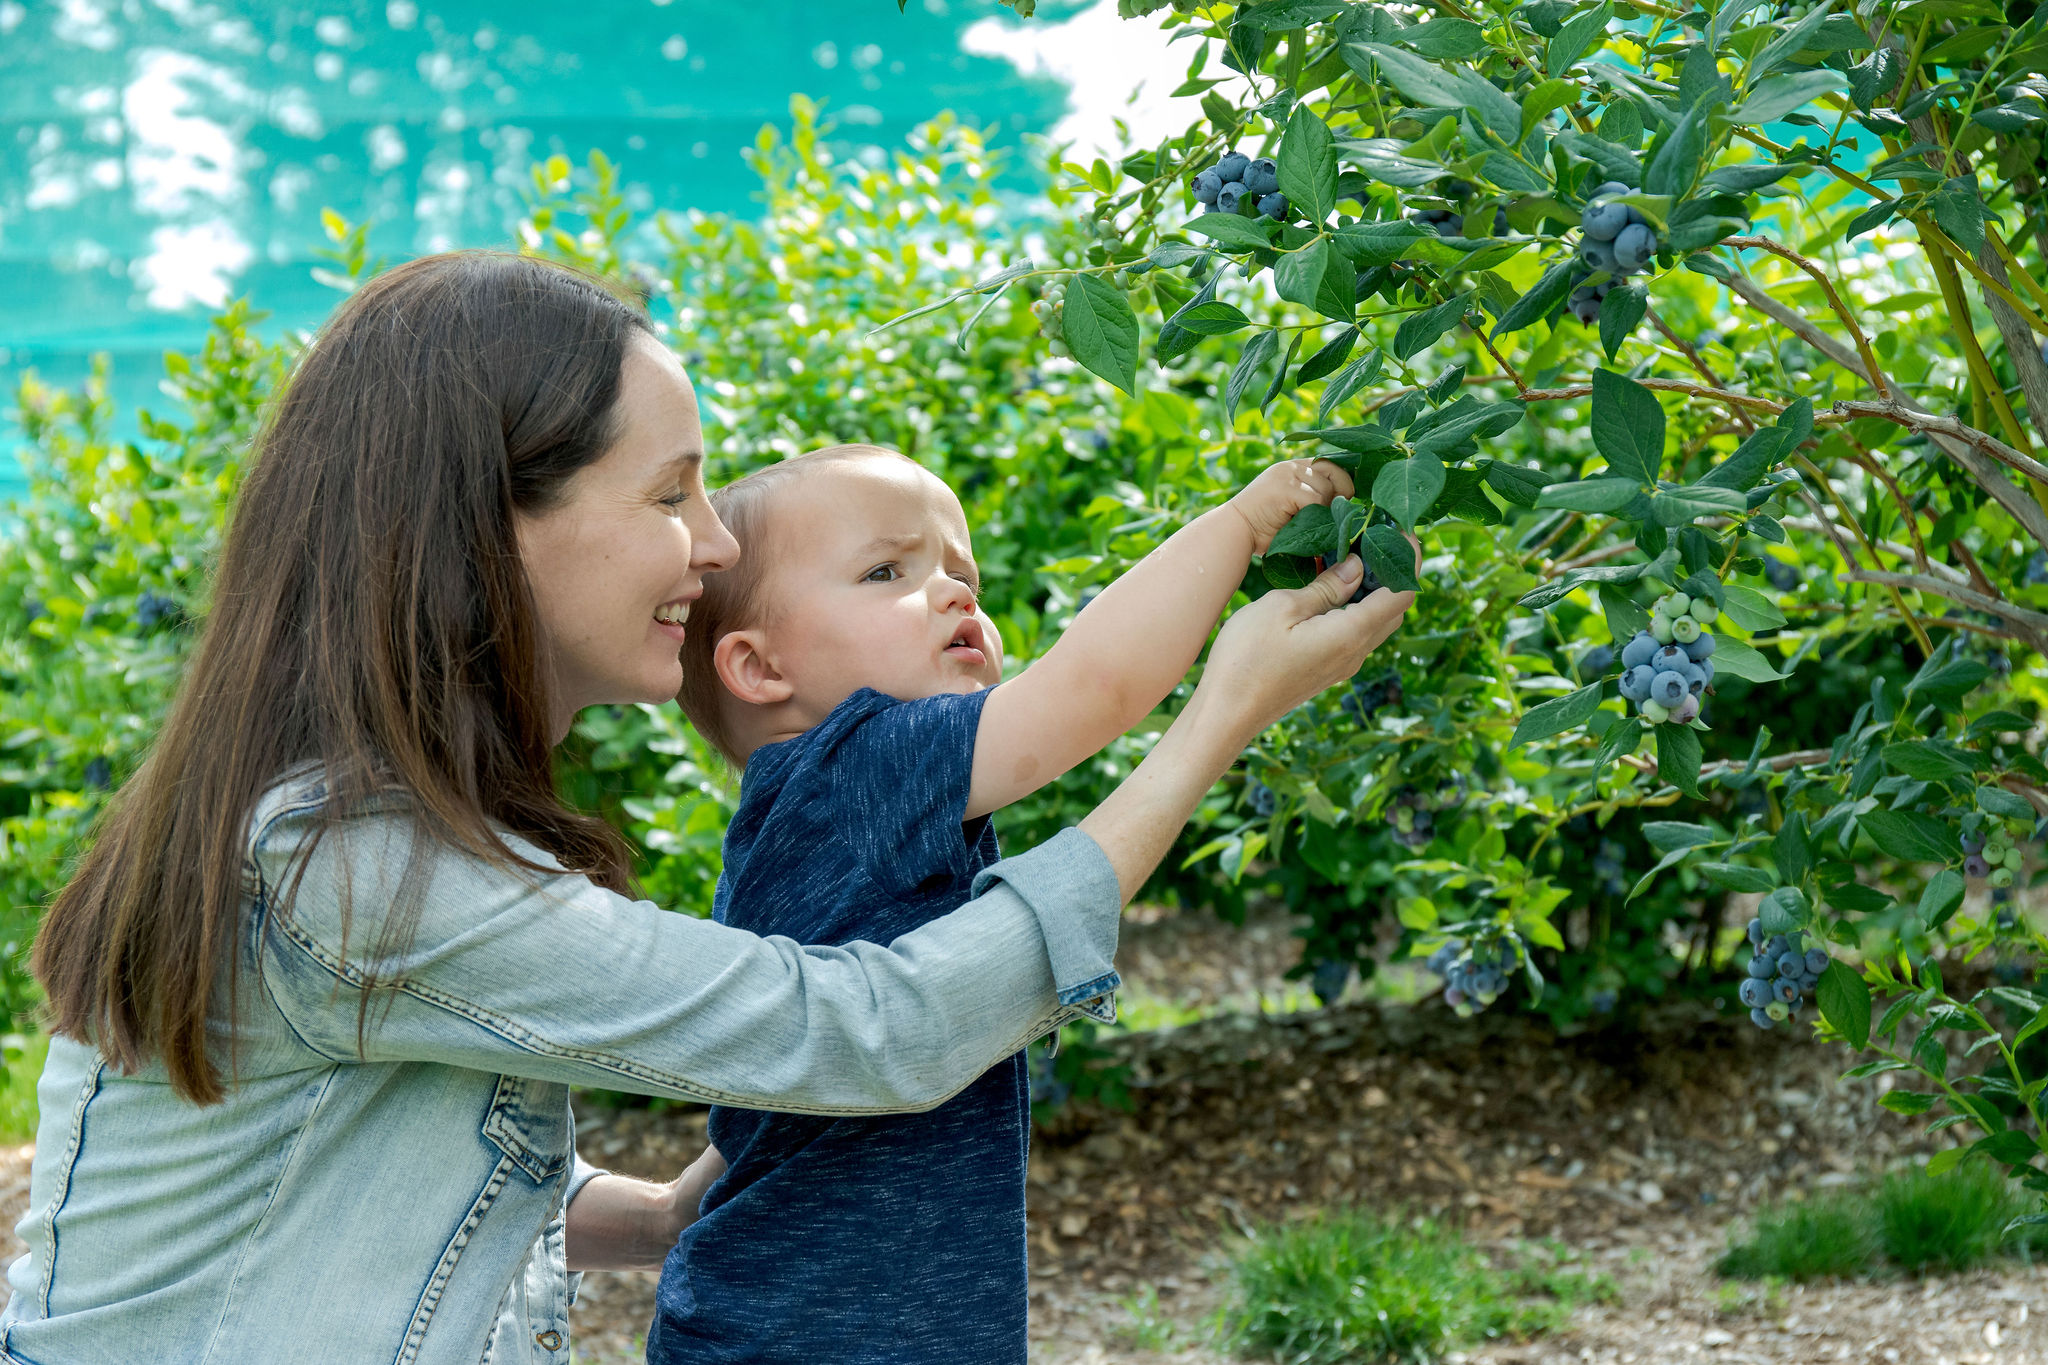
{"x":1780,"y":976}
{"x":1239,"y":184}
{"x":1413,"y":821}
{"x":1365,"y":700}
{"x":1047,"y":311}
{"x":1670,"y":664}
{"x":1262,"y":798}
{"x":1474,"y":977}
{"x":1451,"y":223}
{"x":1996,"y":859}
{"x":1329,"y":979}
{"x":153,"y":609}
{"x":1615,"y":240}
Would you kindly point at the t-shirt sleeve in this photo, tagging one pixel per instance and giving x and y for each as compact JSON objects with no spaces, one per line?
{"x":899,"y":773}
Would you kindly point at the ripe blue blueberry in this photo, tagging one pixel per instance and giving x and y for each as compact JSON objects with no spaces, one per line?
{"x":1791,"y":962}
{"x":99,"y":773}
{"x":1603,"y":222}
{"x":1754,"y":993}
{"x":1587,"y":311}
{"x":1329,"y":980}
{"x":1973,"y":843}
{"x":1262,"y":177}
{"x":1607,"y":189}
{"x":1976,"y":866}
{"x":1670,"y":658}
{"x":1706,"y":672}
{"x":1230,"y":199}
{"x":1786,"y":989}
{"x":1233,"y":166}
{"x":1596,"y":661}
{"x":1775,"y":946}
{"x":1762,"y":1019}
{"x":1756,"y":929}
{"x":1700,"y":648}
{"x":1634,"y":246}
{"x":1597,"y":255}
{"x":1264,"y":801}
{"x":1635,"y":684}
{"x":1762,"y":967}
{"x":1640,"y":650}
{"x":1668,"y":688}
{"x":1274,"y":206}
{"x":1816,"y":961}
{"x":1207,"y":184}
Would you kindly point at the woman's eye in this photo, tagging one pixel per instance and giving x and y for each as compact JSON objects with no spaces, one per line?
{"x":675,"y":500}
{"x":887,"y":571}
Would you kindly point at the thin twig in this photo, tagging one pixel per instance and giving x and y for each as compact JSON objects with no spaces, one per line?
{"x":1915,"y":420}
{"x":1728,"y":396}
{"x":2033,"y":624}
{"x":1871,"y":368}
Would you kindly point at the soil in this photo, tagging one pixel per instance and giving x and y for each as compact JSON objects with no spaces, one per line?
{"x":1637,"y":1147}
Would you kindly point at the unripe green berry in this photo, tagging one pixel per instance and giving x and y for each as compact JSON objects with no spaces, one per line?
{"x":2014,"y":859}
{"x":1656,"y":712}
{"x":1778,"y":1010}
{"x":1685,"y":630}
{"x":1995,"y":850}
{"x":1660,"y":629}
{"x":2000,"y":878}
{"x":1703,"y":611}
{"x":1680,"y":603}
{"x":1059,"y":348}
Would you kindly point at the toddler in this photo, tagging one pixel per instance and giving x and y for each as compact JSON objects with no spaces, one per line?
{"x":843,"y":665}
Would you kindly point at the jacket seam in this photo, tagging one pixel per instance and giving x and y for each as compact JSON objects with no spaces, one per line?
{"x":527,"y":1042}
{"x":87,"y":1091}
{"x":444,"y":1268}
{"x":256,"y":1232}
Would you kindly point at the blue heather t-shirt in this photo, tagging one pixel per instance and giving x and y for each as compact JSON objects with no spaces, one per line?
{"x":852,"y":1241}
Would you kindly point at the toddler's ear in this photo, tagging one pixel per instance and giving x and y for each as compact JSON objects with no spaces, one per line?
{"x":746,"y":670}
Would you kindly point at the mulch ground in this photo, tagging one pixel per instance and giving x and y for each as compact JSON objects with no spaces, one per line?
{"x":1638,"y":1147}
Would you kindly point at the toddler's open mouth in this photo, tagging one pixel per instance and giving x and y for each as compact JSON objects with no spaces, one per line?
{"x":968,"y":644}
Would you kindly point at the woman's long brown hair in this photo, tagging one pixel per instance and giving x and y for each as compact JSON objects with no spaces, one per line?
{"x":371,"y":613}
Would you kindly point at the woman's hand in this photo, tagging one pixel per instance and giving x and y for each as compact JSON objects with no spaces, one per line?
{"x":1269,"y":658}
{"x":618,"y":1223}
{"x":1293,"y":643}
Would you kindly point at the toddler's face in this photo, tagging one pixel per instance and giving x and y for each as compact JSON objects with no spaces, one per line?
{"x":874,"y":586}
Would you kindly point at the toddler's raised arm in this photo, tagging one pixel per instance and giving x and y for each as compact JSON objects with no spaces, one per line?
{"x":1135,"y":641}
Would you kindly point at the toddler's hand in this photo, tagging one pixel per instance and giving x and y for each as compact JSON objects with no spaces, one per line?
{"x":1270,"y":501}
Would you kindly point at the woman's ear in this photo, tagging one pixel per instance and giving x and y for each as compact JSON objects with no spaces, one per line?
{"x":747,"y":671}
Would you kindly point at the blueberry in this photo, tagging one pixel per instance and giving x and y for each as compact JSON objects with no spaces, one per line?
{"x":1603,"y":221}
{"x":1700,"y":648}
{"x":1233,"y":166}
{"x":1609,"y":188}
{"x":1775,"y":946}
{"x":1786,"y":989}
{"x":1706,"y":668}
{"x":1685,"y":630}
{"x":1670,"y":658}
{"x":1634,"y":247}
{"x":1636,"y":683}
{"x":1330,"y":977}
{"x":1791,"y":962}
{"x":1207,"y":184}
{"x":1781,"y":575}
{"x":1597,"y":255}
{"x":1754,"y":993}
{"x":1655,"y":712}
{"x":99,"y":773}
{"x":1639,"y":650}
{"x":1587,"y":311}
{"x":1976,"y":866}
{"x":1756,"y":929}
{"x":1500,"y":222}
{"x":1367,"y":585}
{"x":1660,"y":629}
{"x":1779,"y":1010}
{"x":1230,"y":198}
{"x":1262,"y":177}
{"x":1687,"y":711}
{"x":1816,"y":961}
{"x":1703,"y":610}
{"x":1274,"y":206}
{"x":1973,"y":843}
{"x":1264,"y":801}
{"x":1762,"y":1019}
{"x":1595,"y":662}
{"x":152,"y":609}
{"x":1762,"y":967}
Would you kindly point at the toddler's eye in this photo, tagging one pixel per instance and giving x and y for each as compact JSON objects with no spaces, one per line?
{"x":890,"y":575}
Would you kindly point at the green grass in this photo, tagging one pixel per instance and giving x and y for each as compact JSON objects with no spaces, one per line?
{"x":1912,"y":1222}
{"x":1355,"y":1287}
{"x":25,"y":1053}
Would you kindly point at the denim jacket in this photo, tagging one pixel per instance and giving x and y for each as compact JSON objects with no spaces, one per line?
{"x":397,"y":1195}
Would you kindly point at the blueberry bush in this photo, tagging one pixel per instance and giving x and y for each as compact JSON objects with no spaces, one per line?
{"x":1690,"y":341}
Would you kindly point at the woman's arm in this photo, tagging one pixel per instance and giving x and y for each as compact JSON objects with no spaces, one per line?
{"x":552,"y":977}
{"x":615,"y":1222}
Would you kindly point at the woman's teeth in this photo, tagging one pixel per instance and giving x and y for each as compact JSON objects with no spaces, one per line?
{"x":674,"y":614}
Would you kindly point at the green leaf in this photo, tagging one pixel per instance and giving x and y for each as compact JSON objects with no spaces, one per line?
{"x":1749,"y":609}
{"x":1542,"y":100}
{"x":1907,"y":1102}
{"x":1679,"y":506}
{"x":1421,"y":81}
{"x":1406,"y":488}
{"x":1348,"y":381}
{"x":1785,"y":910}
{"x":1792,"y":41}
{"x":1948,"y":682}
{"x":1308,"y":165}
{"x":1518,"y":485}
{"x":1845,"y":1004}
{"x":1737,"y":876}
{"x":1312,"y":532}
{"x":1628,"y":426}
{"x":1941,"y":897}
{"x":1370,"y":244}
{"x":1676,"y":163}
{"x":1328,"y":357}
{"x":1441,"y":38}
{"x":1318,"y":277}
{"x":1358,"y":440}
{"x":1771,"y":99}
{"x":1590,"y":495}
{"x":1391,"y":557}
{"x":1871,"y":79}
{"x":1754,"y":458}
{"x":1909,"y":837}
{"x":1419,"y":330}
{"x":1347,"y":516}
{"x":1792,"y":851}
{"x":1101,"y":330}
{"x":1621,"y":739}
{"x":1946,"y":1160}
{"x":1960,"y":212}
{"x":1257,"y":352}
{"x":1558,"y":714}
{"x":1212,"y":319}
{"x":1620,"y":311}
{"x":1533,"y":306}
{"x":1233,"y":230}
{"x":1575,"y":40}
{"x":1678,"y":758}
{"x":1928,"y":762}
{"x":1999,"y":801}
{"x":1666,"y":836}
{"x":1740,"y":659}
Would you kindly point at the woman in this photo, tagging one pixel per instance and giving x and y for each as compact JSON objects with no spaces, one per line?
{"x":337,"y":952}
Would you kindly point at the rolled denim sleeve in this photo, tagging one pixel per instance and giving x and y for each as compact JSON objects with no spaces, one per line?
{"x":1081,"y":946}
{"x":545,"y":974}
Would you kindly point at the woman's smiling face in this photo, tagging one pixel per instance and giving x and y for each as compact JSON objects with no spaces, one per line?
{"x":616,"y":562}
